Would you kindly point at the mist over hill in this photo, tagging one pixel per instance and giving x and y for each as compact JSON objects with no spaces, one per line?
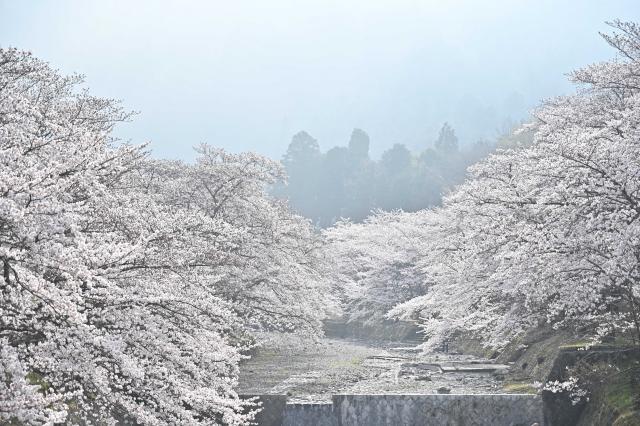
{"x":345,"y":182}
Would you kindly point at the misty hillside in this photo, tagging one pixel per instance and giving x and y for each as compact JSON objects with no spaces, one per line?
{"x":346,"y":183}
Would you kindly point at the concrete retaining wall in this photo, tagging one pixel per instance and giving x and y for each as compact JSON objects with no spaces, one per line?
{"x":309,"y":415}
{"x":438,"y":410}
{"x":406,"y":410}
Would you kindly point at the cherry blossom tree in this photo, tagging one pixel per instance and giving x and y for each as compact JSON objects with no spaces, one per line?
{"x":259,"y":256}
{"x":130,"y":286}
{"x":375,"y":263}
{"x":547,"y":234}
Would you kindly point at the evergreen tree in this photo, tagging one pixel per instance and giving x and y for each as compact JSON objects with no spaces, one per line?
{"x":447,"y":141}
{"x":302,"y":163}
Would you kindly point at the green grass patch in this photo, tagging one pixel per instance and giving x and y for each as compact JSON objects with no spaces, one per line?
{"x":520,"y":387}
{"x":618,"y":342}
{"x":575,"y":345}
{"x":346,"y":363}
{"x":620,"y":395}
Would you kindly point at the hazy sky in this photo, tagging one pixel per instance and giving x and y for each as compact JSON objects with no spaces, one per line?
{"x":247,"y":75}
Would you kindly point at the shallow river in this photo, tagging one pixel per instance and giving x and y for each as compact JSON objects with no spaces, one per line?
{"x":315,"y":371}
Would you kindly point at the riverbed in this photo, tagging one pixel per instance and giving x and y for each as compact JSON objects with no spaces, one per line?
{"x":313,"y":371}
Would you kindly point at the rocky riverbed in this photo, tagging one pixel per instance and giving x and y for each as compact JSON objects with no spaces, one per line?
{"x":315,"y":371}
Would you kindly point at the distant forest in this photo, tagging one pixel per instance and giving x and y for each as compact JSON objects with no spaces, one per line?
{"x":345,"y":182}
